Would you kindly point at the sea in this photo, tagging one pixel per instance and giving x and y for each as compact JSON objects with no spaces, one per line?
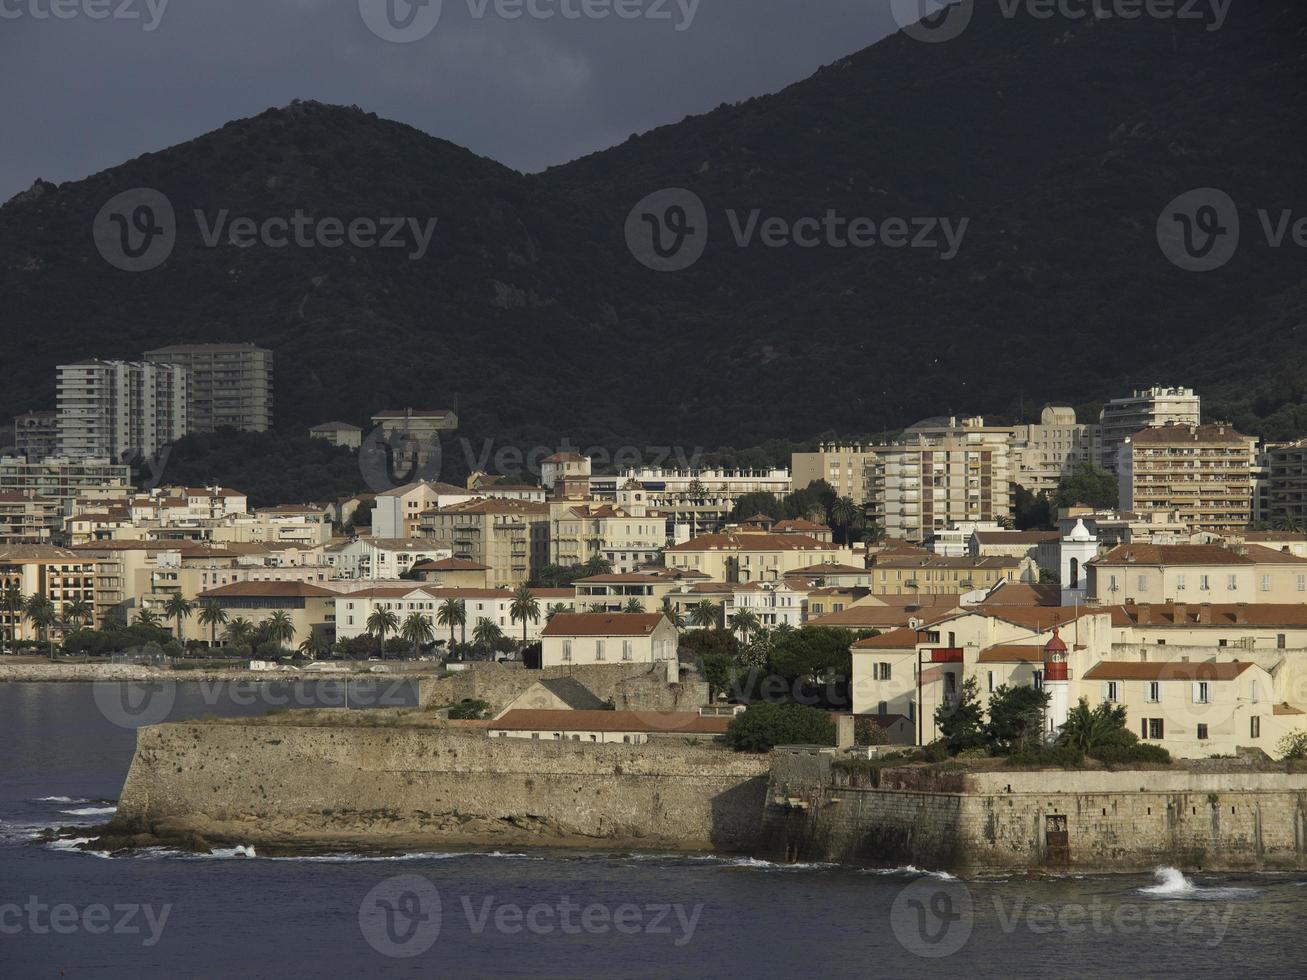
{"x":66,"y":912}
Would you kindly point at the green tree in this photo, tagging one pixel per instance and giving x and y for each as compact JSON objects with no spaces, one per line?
{"x":42,"y":615}
{"x":761,"y":727}
{"x":452,"y":612}
{"x":177,"y":608}
{"x":1087,"y":485}
{"x":380,"y":622}
{"x":279,"y":628}
{"x":1293,"y":745}
{"x":760,"y":502}
{"x":672,"y":613}
{"x":717,"y":669}
{"x":14,"y":603}
{"x":704,"y":614}
{"x":812,"y":652}
{"x":417,"y":630}
{"x":847,"y":516}
{"x":962,"y":724}
{"x":314,"y":645}
{"x":525,"y":608}
{"x":239,"y":632}
{"x":1090,"y":730}
{"x":1016,"y":718}
{"x":212,"y":615}
{"x":487,"y":633}
{"x":633,"y":605}
{"x":744,"y":622}
{"x":469,"y":709}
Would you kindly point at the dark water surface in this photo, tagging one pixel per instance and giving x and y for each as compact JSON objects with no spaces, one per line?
{"x":70,"y":913}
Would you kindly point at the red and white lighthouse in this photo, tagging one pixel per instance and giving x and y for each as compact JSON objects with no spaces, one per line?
{"x":1056,"y":682}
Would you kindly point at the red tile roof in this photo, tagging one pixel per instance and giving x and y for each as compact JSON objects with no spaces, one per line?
{"x":603,"y":624}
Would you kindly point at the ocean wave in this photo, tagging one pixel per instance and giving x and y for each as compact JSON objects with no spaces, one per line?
{"x":72,"y":845}
{"x":91,"y":811}
{"x":909,"y":869}
{"x":60,"y":799}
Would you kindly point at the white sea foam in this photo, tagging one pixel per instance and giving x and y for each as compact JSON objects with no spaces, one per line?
{"x":908,"y":869}
{"x":71,"y":845}
{"x":61,"y":799}
{"x":1172,"y":884}
{"x":91,"y":811}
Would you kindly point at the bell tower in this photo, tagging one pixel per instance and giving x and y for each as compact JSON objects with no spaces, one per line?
{"x":1075,"y":550}
{"x":1056,"y":682}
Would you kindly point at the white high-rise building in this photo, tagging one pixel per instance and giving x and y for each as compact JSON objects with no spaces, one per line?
{"x":1123,"y":417}
{"x":117,"y":410}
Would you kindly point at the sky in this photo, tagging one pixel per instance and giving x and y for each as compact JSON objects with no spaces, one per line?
{"x":89,"y":84}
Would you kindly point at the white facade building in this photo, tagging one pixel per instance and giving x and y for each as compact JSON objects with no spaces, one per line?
{"x":120,"y":409}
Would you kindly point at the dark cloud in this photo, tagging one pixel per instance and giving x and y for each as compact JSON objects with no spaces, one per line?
{"x":83,"y":94}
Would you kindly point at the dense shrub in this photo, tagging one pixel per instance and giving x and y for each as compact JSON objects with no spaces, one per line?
{"x":469,"y":709}
{"x":761,"y":727}
{"x":1126,"y":754}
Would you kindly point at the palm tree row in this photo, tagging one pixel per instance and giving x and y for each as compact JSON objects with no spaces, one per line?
{"x":42,"y":613}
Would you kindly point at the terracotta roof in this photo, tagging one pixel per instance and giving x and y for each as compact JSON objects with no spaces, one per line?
{"x":1172,"y":554}
{"x":801,"y":526}
{"x":829,"y":568}
{"x":870,"y":616}
{"x":1037,"y":618}
{"x":944,"y":561}
{"x":1015,"y":537}
{"x":1176,"y":670}
{"x":1290,"y":614}
{"x":496,"y":505}
{"x":564,"y":457}
{"x":1273,"y":556}
{"x":670,"y":722}
{"x":38,"y":552}
{"x":1286,"y":709}
{"x":751,"y":542}
{"x":449,"y":565}
{"x":1023,"y":594}
{"x":1012,"y":653}
{"x":417,"y":413}
{"x":896,"y":639}
{"x":1255,"y":536}
{"x":1166,"y":434}
{"x":270,"y":590}
{"x":603,"y":624}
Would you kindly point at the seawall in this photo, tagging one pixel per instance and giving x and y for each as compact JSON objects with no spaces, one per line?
{"x":392,"y":787}
{"x":46,"y":673}
{"x":1042,"y":820}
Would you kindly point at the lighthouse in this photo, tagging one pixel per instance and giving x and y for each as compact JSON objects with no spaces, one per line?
{"x":1056,"y":683}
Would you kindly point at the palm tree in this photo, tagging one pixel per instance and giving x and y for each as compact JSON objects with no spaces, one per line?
{"x":314,"y":645}
{"x":78,"y":613}
{"x":672,"y":613}
{"x":704,"y":614}
{"x":148,"y":617}
{"x":212,"y":615}
{"x":633,"y":605}
{"x":178,"y":607}
{"x":744,"y":622}
{"x":417,"y":630}
{"x":239,"y":631}
{"x":41,"y":613}
{"x":452,"y":612}
{"x":381,"y":622}
{"x":13,"y":602}
{"x":553,"y":610}
{"x":487,"y":633}
{"x":847,"y":516}
{"x":278,"y":628}
{"x":525,"y":607}
{"x":1088,"y":729}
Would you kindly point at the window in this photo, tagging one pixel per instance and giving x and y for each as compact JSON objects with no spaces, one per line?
{"x":1302,"y":583}
{"x":1112,"y":692}
{"x":1279,"y":641}
{"x":1037,"y":680}
{"x":1231,"y":583}
{"x":626,"y":649}
{"x":1266,"y":583}
{"x":991,"y":682}
{"x":1202,"y":692}
{"x":1254,"y":692}
{"x":1222,"y":643}
{"x":599,"y":649}
{"x":1154,"y":692}
{"x":882,"y":707}
{"x":1202,"y":733}
{"x":1154,"y":729}
{"x":1143,"y":583}
{"x":883,"y":671}
{"x":567,"y":649}
{"x":1179,"y":583}
{"x":1203,"y":583}
{"x":1255,"y":727}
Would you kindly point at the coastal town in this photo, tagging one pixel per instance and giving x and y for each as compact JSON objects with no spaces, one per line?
{"x":885,"y":584}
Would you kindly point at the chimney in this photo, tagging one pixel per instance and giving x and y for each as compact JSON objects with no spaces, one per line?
{"x":1181,"y":614}
{"x":1144,"y":613}
{"x":1205,"y":614}
{"x":1241,"y":614}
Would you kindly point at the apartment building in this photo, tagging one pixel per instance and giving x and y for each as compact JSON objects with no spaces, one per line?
{"x":1147,"y":573}
{"x":1044,"y":454}
{"x":1158,"y":405}
{"x":413,"y":436}
{"x":1283,"y":489}
{"x":231,"y":384}
{"x":627,"y":541}
{"x":1201,"y":473}
{"x":26,"y":518}
{"x":510,"y":537}
{"x":735,"y":557}
{"x":119,"y":410}
{"x":384,"y":558}
{"x":941,"y":575}
{"x":396,"y":512}
{"x":692,"y":502}
{"x":338,"y":434}
{"x":64,"y":480}
{"x":941,"y":476}
{"x":61,"y":575}
{"x":36,"y":435}
{"x":847,"y":468}
{"x":566,"y":475}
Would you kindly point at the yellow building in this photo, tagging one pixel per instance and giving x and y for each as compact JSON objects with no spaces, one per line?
{"x":311,"y":608}
{"x":1201,"y":473}
{"x":61,"y":575}
{"x":510,"y":537}
{"x":1148,"y":573}
{"x":749,"y":557}
{"x":941,"y":575}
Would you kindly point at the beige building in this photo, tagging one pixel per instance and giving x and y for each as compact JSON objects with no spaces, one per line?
{"x":230,"y":384}
{"x":383,"y":558}
{"x":26,"y":518}
{"x":939,"y":575}
{"x":748,"y":557}
{"x":451,"y":573}
{"x":36,"y":435}
{"x":61,"y":575}
{"x":1146,"y":573}
{"x":1201,"y":473}
{"x":1123,"y":417}
{"x":596,"y":638}
{"x":582,"y":532}
{"x":847,"y":468}
{"x":692,"y":502}
{"x":338,"y":434}
{"x":396,"y":512}
{"x":1043,"y":454}
{"x":311,"y":608}
{"x":510,"y":537}
{"x":117,"y":410}
{"x":496,"y":605}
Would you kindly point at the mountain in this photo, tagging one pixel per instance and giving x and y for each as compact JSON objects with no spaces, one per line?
{"x":1058,"y":142}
